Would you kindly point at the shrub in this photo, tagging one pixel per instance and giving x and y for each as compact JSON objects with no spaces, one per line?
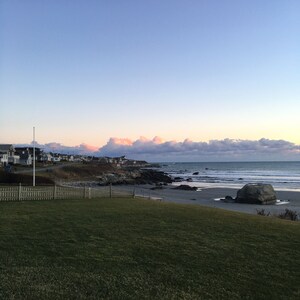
{"x":262,"y":212}
{"x":289,"y":215}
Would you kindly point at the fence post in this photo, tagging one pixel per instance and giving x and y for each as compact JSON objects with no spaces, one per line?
{"x":19,"y":192}
{"x":89,"y":193}
{"x":54,"y":192}
{"x":110,"y":191}
{"x":133,"y":192}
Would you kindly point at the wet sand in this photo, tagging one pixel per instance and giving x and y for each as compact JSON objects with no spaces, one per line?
{"x":206,"y":197}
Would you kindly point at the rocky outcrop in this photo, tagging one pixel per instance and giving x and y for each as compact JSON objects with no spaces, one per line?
{"x":153,"y":176}
{"x":178,"y":179}
{"x":116,"y":178}
{"x":186,"y":187}
{"x":256,"y":194}
{"x":143,"y":176}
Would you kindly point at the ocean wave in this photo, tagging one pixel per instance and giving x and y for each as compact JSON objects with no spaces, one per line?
{"x":283,"y":176}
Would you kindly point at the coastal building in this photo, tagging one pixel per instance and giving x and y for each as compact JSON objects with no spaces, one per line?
{"x":45,"y":157}
{"x":37,"y":151}
{"x":25,"y":156}
{"x":6,"y":151}
{"x":56,"y":158}
{"x":7,"y":148}
{"x":103,"y":160}
{"x":67,"y":157}
{"x":3,"y":159}
{"x":14,"y":159}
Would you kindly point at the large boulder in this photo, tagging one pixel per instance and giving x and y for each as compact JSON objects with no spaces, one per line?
{"x":256,"y":194}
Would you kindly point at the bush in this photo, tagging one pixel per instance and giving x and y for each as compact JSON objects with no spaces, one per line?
{"x":262,"y":212}
{"x":289,"y":215}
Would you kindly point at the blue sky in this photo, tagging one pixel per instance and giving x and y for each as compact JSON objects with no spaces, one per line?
{"x":88,"y":71}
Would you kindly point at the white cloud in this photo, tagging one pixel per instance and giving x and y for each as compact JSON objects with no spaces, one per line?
{"x":215,"y":150}
{"x":227,"y":149}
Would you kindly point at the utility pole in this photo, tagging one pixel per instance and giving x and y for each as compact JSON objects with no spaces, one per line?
{"x":33,"y":164}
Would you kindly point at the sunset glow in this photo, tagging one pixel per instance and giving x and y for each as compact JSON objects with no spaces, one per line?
{"x":117,"y":73}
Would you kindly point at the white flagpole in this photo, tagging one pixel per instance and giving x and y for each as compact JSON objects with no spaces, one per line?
{"x":33,"y":164}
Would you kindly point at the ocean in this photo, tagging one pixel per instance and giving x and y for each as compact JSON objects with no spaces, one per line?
{"x":283,"y":176}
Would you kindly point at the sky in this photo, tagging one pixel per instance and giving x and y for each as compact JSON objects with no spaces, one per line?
{"x":105,"y":76}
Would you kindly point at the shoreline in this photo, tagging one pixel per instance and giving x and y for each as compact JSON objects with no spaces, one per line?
{"x":235,"y":186}
{"x":206,"y":197}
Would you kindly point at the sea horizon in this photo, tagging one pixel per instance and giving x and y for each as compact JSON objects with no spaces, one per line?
{"x":282,"y":175}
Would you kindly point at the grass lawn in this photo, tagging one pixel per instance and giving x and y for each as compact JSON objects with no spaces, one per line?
{"x":141,"y":249}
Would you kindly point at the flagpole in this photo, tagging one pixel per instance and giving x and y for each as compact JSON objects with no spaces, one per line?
{"x":33,"y":164}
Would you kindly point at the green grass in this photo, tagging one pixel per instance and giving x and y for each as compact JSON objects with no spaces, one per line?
{"x":141,"y":249}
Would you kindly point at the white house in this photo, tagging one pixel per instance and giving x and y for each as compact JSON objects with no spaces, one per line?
{"x":45,"y":157}
{"x":6,"y":150}
{"x":3,"y":159}
{"x":14,"y":159}
{"x":56,"y":158}
{"x":26,"y":159}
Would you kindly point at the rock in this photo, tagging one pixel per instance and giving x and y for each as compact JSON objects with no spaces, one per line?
{"x":196,"y":173}
{"x":228,"y":199}
{"x":256,"y":194}
{"x":177,"y":179}
{"x":153,"y":176}
{"x":185,"y":187}
{"x":189,"y":180}
{"x":114,"y":178}
{"x":145,"y":176}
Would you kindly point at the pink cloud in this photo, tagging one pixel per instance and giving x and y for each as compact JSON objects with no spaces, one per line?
{"x":157,"y":149}
{"x":120,"y":141}
{"x":235,"y":149}
{"x":89,"y":148}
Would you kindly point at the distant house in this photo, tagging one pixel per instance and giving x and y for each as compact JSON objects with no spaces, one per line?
{"x":37,"y":150}
{"x":25,"y":155}
{"x":103,"y":160}
{"x":25,"y":158}
{"x":3,"y":158}
{"x":67,"y":157}
{"x":14,"y":159}
{"x":64,"y":157}
{"x":77,"y":158}
{"x":56,"y":158}
{"x":6,"y":150}
{"x":45,"y":157}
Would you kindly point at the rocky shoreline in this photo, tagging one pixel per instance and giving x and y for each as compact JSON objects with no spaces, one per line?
{"x":212,"y":197}
{"x":138,"y":176}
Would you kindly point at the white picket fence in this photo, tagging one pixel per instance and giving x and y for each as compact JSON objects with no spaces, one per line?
{"x":20,"y":193}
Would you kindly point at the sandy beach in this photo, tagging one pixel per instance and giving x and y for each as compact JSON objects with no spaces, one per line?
{"x":207,"y":197}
